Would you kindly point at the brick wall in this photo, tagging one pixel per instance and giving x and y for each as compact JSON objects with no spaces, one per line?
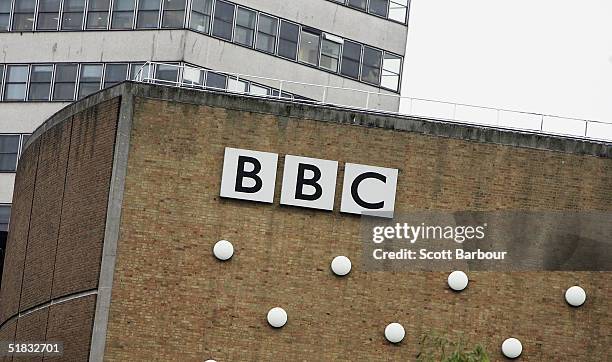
{"x":172,"y":300}
{"x":57,"y":230}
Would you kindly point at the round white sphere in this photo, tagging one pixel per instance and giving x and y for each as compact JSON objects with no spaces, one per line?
{"x":457,"y":280}
{"x":341,"y":265}
{"x":223,"y":250}
{"x":394,"y":332}
{"x":512,"y":348}
{"x":277,"y":317}
{"x":575,"y":296}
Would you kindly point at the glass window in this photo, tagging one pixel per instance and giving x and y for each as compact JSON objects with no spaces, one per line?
{"x":224,"y":20}
{"x":201,"y":11}
{"x":245,"y":27}
{"x":72,"y":17}
{"x":309,"y":47}
{"x":23,"y":17}
{"x":5,"y":215}
{"x":1,"y":74}
{"x":15,"y":82}
{"x":114,"y":74}
{"x":9,"y":147}
{"x":123,"y":14}
{"x":148,"y":14}
{"x":237,"y":85}
{"x":259,"y":90}
{"x":24,"y":140}
{"x":5,"y":14}
{"x":91,"y":77}
{"x":97,"y":14}
{"x":392,"y":65}
{"x":194,"y":76}
{"x":216,"y":81}
{"x":359,"y":4}
{"x":398,"y":9}
{"x":351,"y":53}
{"x":288,"y":40}
{"x":174,"y":14}
{"x":40,"y":82}
{"x":65,"y":81}
{"x":48,"y":14}
{"x":370,"y":68}
{"x":266,"y":33}
{"x":167,"y":72}
{"x":145,"y":71}
{"x":330,"y":55}
{"x":379,"y":7}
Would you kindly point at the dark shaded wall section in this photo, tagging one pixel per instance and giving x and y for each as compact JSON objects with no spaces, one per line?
{"x":57,"y":228}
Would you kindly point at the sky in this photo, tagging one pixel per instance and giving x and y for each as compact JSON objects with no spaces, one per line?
{"x":542,"y":56}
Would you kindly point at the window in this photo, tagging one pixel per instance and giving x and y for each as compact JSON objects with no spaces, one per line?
{"x":174,"y":14}
{"x":351,"y":54}
{"x":65,"y":81}
{"x":1,"y":74}
{"x":309,"y":47}
{"x":123,"y":14}
{"x":23,"y":17}
{"x":201,"y":11}
{"x":259,"y":90}
{"x":330,"y":52}
{"x":48,"y":14}
{"x":288,"y":40}
{"x":114,"y":74}
{"x":140,"y":69}
{"x":398,"y":9}
{"x":359,"y":4}
{"x":266,"y":33}
{"x":379,"y":7}
{"x":194,"y":76}
{"x":392,"y":65}
{"x":91,"y":77}
{"x":370,"y":68}
{"x":24,"y":140}
{"x":148,"y":14}
{"x":245,"y":27}
{"x":9,"y":148}
{"x":5,"y":215}
{"x":216,"y":81}
{"x":97,"y":14}
{"x":224,"y":20}
{"x":237,"y":85}
{"x":40,"y":82}
{"x":72,"y":18}
{"x":5,"y":14}
{"x":16,"y":82}
{"x":167,"y":72}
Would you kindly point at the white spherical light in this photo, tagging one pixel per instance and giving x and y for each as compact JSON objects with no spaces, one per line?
{"x":512,"y":348}
{"x":575,"y":296}
{"x":457,"y":280}
{"x":277,"y":317}
{"x":223,"y":250}
{"x":394,"y":332}
{"x":341,"y":265}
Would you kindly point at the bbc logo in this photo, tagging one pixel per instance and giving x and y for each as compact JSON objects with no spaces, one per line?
{"x":308,"y":182}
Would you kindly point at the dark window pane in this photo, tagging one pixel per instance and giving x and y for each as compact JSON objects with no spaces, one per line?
{"x":97,"y":19}
{"x":39,"y":91}
{"x":351,"y":53}
{"x":215,"y":80}
{"x":4,"y":22}
{"x":24,"y":6}
{"x":330,"y":54}
{"x":65,"y":81}
{"x":167,"y":72}
{"x":40,"y":82}
{"x":309,"y":48}
{"x":66,"y":73}
{"x":72,"y":19}
{"x":115,"y":73}
{"x":9,"y":144}
{"x":223,"y":22}
{"x":370,"y":70}
{"x":123,"y":14}
{"x":47,"y":21}
{"x":200,"y":15}
{"x":287,"y":44}
{"x":5,"y":215}
{"x":23,"y":22}
{"x":15,"y":84}
{"x":266,"y":33}
{"x":379,"y":7}
{"x":360,"y":4}
{"x":148,"y":14}
{"x":91,"y":76}
{"x":8,"y":162}
{"x":174,"y":14}
{"x":245,"y":27}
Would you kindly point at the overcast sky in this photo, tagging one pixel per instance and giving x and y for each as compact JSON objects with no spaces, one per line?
{"x":543,"y":56}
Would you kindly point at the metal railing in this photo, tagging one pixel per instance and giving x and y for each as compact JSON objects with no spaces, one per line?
{"x":193,"y":77}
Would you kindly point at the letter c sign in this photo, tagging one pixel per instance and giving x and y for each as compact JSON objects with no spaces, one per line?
{"x":308,"y":182}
